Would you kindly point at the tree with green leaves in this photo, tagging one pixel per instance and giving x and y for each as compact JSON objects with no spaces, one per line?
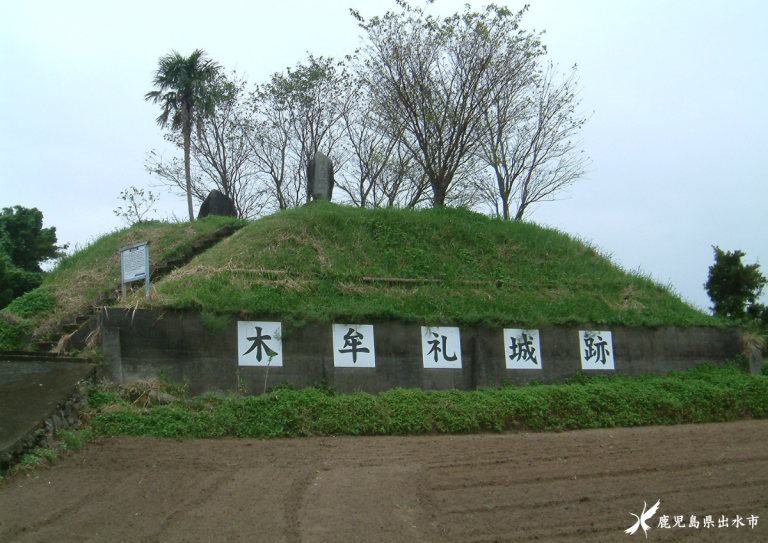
{"x":24,"y":246}
{"x":138,"y":205}
{"x":184,"y":91}
{"x":734,"y":287}
{"x":528,"y":140}
{"x":298,"y":114}
{"x":433,"y":79}
{"x":11,"y":281}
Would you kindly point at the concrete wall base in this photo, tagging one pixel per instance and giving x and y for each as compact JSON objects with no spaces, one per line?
{"x":139,"y":344}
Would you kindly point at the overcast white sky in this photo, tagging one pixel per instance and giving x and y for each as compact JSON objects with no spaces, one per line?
{"x":678,"y":137}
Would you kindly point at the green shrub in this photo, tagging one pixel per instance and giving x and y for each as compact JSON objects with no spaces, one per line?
{"x":13,"y":331}
{"x":734,"y":287}
{"x":174,"y":388}
{"x":34,"y":302}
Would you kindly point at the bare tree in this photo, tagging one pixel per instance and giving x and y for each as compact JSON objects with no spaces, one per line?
{"x":432,"y":79}
{"x":171,"y":173}
{"x":222,"y":152}
{"x":527,"y":142}
{"x":274,"y":149}
{"x":440,"y":111}
{"x":370,"y":146}
{"x":403,"y":182}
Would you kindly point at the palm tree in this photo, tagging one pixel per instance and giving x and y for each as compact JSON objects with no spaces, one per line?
{"x":185,"y":93}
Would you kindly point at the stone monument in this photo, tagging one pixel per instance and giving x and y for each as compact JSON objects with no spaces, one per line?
{"x":216,"y":203}
{"x":319,"y":178}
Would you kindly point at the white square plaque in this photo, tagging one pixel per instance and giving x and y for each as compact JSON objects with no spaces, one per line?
{"x":522,"y":349}
{"x":259,"y":343}
{"x":596,"y":350}
{"x":353,"y":346}
{"x":441,"y":347}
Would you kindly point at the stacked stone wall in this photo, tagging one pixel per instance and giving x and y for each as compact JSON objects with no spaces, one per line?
{"x":67,"y":414}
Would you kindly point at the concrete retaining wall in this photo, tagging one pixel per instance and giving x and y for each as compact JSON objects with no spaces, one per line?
{"x":139,"y":344}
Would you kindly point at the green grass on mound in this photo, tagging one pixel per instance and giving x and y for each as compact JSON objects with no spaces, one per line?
{"x":314,"y":263}
{"x":91,"y":276}
{"x":328,"y":262}
{"x":704,"y":394}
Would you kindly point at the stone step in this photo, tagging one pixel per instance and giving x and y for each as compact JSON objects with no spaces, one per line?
{"x":31,"y":356}
{"x":82,"y":319}
{"x":229,"y":230}
{"x":69,"y":328}
{"x":44,"y":346}
{"x":24,"y":353}
{"x":198,"y":247}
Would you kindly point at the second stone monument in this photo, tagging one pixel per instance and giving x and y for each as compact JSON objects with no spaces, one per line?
{"x":319,"y":178}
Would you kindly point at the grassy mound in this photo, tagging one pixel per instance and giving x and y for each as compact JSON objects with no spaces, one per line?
{"x":90,"y":277}
{"x":324,"y":262}
{"x":704,"y":394}
{"x":329,"y":262}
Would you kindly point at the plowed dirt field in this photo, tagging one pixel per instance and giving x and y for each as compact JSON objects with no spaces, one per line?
{"x":572,"y":486}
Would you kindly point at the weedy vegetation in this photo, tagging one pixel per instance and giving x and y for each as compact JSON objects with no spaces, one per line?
{"x":67,"y":440}
{"x":707,"y":393}
{"x":73,"y":440}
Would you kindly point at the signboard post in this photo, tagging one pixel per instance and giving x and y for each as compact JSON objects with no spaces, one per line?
{"x":134,"y":265}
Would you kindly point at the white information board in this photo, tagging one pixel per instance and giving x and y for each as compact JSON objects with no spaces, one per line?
{"x":522,"y":348}
{"x":353,"y":346}
{"x":596,"y":350}
{"x":441,"y":347}
{"x":134,"y":263}
{"x":259,"y":343}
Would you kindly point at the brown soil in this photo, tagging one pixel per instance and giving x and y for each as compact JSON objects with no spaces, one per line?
{"x":573,"y":486}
